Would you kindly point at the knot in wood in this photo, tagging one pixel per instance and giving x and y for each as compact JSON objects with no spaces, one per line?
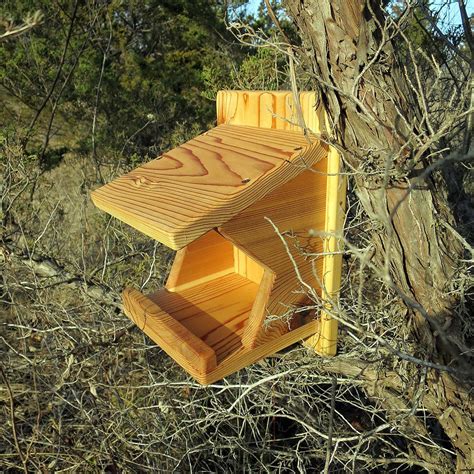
{"x":139,"y":181}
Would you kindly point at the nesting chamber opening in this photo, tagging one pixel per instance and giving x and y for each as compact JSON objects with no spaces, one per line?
{"x":211,"y":290}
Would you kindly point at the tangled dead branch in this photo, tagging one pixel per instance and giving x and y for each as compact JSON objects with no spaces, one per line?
{"x":82,"y":390}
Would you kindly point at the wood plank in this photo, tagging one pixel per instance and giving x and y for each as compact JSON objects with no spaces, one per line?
{"x":299,"y":206}
{"x":174,"y":338}
{"x":247,"y":266}
{"x":277,"y":110}
{"x":326,"y":342}
{"x":246,"y":356}
{"x":205,"y":259}
{"x":250,"y":337}
{"x":205,"y":182}
{"x":216,"y":311}
{"x":255,"y":164}
{"x":268,"y":109}
{"x":199,"y":363}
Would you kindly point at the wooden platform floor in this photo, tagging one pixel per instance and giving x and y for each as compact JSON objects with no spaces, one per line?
{"x":215,"y":311}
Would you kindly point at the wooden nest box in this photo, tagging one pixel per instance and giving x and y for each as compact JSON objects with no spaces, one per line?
{"x":246,"y":205}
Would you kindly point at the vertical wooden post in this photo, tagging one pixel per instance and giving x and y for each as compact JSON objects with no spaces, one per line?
{"x":325,"y":343}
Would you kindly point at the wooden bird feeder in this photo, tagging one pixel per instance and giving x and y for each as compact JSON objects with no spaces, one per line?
{"x":234,"y":289}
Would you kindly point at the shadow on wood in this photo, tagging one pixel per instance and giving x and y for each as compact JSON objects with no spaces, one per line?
{"x":217,"y":200}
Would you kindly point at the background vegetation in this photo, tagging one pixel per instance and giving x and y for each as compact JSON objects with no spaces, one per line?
{"x":90,"y":90}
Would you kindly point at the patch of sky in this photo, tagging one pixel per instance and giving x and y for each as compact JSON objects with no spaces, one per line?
{"x":446,"y":10}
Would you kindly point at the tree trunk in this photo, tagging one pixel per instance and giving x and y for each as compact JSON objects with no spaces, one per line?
{"x":377,"y":121}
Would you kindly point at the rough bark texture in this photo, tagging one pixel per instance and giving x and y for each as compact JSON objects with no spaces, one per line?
{"x":342,"y":38}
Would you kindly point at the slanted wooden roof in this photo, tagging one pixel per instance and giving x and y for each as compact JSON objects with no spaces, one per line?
{"x":205,"y":182}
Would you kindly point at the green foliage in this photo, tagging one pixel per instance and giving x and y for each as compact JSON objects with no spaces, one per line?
{"x":264,"y":67}
{"x":145,"y":73}
{"x":261,"y":69}
{"x":126,"y":61}
{"x":264,"y":23}
{"x":53,"y":156}
{"x":265,"y":70}
{"x":427,"y":29}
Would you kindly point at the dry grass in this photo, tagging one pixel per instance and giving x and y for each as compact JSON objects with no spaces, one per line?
{"x":82,"y":390}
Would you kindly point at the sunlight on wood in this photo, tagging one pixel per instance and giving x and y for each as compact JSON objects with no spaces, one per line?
{"x":248,"y":206}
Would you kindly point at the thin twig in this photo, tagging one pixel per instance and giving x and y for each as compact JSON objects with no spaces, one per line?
{"x":58,"y":74}
{"x":13,"y":420}
{"x":331,"y":426}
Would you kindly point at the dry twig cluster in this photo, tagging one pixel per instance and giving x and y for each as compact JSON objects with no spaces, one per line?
{"x":83,"y":390}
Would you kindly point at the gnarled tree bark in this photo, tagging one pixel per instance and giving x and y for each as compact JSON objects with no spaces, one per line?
{"x":376,"y":120}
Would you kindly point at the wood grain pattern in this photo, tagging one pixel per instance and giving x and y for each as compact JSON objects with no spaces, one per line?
{"x":206,"y":181}
{"x":205,"y":259}
{"x":247,"y":266}
{"x":246,"y":356}
{"x":215,"y":312}
{"x":202,"y":328}
{"x":225,"y":335}
{"x":299,"y":207}
{"x":268,"y":109}
{"x":326,"y":341}
{"x":276,"y":110}
{"x":209,"y":198}
{"x":253,"y":327}
{"x":180,"y":343}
